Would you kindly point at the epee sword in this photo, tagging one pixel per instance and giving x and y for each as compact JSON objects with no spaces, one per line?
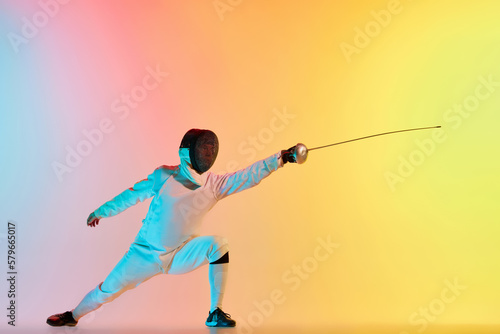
{"x":301,"y":151}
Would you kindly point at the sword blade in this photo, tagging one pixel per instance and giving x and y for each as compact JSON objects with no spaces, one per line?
{"x":378,"y":134}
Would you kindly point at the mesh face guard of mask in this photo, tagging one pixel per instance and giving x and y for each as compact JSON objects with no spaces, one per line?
{"x":203,"y":148}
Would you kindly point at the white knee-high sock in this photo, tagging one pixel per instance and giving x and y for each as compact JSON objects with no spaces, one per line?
{"x":217,"y":275}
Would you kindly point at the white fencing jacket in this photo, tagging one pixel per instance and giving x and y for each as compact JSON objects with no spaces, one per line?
{"x":178,"y":207}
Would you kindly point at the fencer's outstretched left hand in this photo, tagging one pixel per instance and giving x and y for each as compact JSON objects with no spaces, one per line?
{"x":92,"y":221}
{"x":289,"y":155}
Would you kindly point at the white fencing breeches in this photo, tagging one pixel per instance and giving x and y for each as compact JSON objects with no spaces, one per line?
{"x":140,"y":264}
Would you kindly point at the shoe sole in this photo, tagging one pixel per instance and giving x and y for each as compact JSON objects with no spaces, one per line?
{"x":54,"y":325}
{"x":214,"y":324}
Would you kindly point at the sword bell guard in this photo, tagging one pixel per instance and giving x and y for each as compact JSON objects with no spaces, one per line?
{"x":300,"y":153}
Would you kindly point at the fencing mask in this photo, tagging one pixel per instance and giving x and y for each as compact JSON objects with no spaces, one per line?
{"x":203,"y":147}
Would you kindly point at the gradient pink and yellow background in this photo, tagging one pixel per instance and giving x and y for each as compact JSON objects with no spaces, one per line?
{"x":234,"y":72}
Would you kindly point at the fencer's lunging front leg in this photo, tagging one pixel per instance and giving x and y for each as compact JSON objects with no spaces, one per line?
{"x":211,"y":250}
{"x":214,"y":251}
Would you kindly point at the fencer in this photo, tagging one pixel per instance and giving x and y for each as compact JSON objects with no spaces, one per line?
{"x":169,"y":241}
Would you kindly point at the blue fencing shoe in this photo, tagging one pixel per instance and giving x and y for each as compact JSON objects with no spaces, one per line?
{"x":218,"y":318}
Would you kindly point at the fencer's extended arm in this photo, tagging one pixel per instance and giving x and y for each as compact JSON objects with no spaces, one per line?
{"x":232,"y":183}
{"x":141,"y":191}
